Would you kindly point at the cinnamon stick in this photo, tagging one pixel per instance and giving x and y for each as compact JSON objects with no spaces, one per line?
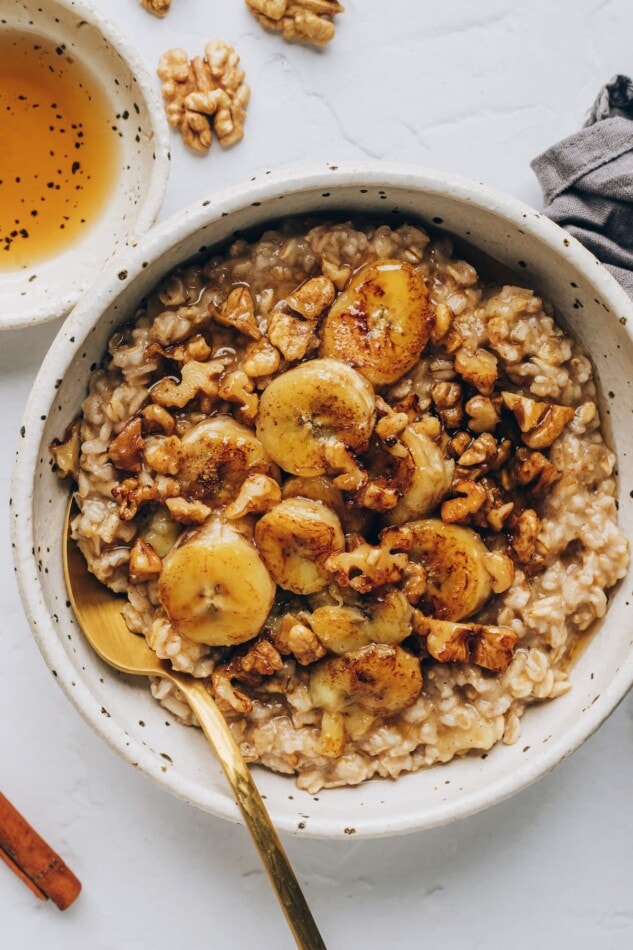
{"x":33,"y":860}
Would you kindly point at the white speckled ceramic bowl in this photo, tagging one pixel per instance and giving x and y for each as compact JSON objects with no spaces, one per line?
{"x":52,"y":287}
{"x":592,"y":306}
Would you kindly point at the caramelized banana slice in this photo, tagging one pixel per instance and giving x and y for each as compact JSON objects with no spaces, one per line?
{"x":321,"y":488}
{"x":214,"y":586}
{"x":431,"y":479}
{"x":384,"y":679}
{"x":344,"y":627}
{"x":381,"y":322}
{"x":312,"y":409}
{"x":217,"y":456}
{"x":295,"y":539}
{"x":461,"y":572}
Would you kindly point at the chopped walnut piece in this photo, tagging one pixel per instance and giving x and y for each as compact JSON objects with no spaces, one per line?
{"x":478,"y":368}
{"x":144,"y":564}
{"x":447,"y":398}
{"x":459,"y":443}
{"x":238,"y":387}
{"x":390,"y":472}
{"x":296,"y":638}
{"x":331,"y":743}
{"x":493,"y":648}
{"x":304,"y":21}
{"x":531,"y":470}
{"x":156,"y":419}
{"x":444,"y":317}
{"x":126,"y":451}
{"x":339,"y":274}
{"x":262,"y":658}
{"x":497,"y":508}
{"x":410,"y":406}
{"x":446,"y":641}
{"x":366,"y":567}
{"x":157,"y":7}
{"x":339,"y":459}
{"x":524,"y":534}
{"x":258,"y":493}
{"x":66,"y":453}
{"x":312,"y":297}
{"x":291,"y":335}
{"x":205,"y":91}
{"x":238,"y":311}
{"x":460,"y":510}
{"x":187,"y":512}
{"x":481,"y":450}
{"x":196,"y":348}
{"x":226,"y":694}
{"x":163,"y":454}
{"x":197,"y":378}
{"x":130,"y":494}
{"x":260,"y":359}
{"x":479,"y":455}
{"x":484,"y":416}
{"x":429,"y":426}
{"x":449,"y":642}
{"x":390,"y":424}
{"x":541,"y":423}
{"x":415,"y":582}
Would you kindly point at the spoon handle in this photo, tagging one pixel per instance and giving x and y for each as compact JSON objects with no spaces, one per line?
{"x":257,"y":819}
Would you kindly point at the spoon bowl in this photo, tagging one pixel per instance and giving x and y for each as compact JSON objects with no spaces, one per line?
{"x":98,"y":612}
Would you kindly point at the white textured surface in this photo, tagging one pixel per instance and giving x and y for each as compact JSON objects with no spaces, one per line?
{"x":477,"y":90}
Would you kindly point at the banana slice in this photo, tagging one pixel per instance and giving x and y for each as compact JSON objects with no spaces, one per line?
{"x":381,"y":322}
{"x":382,"y":678}
{"x":214,"y":586}
{"x":344,"y":627}
{"x":321,"y":488}
{"x":217,"y":456}
{"x":311,"y":409}
{"x":461,"y":572}
{"x":295,"y":538}
{"x":431,"y":480}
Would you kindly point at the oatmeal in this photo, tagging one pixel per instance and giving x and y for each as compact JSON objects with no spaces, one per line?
{"x":359,"y":492}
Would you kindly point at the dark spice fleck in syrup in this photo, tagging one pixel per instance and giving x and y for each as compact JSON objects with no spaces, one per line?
{"x":59,"y":149}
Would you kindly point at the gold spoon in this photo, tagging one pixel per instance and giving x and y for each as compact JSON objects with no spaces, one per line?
{"x":98,"y":611}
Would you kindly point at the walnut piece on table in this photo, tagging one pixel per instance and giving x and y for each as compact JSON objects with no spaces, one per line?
{"x":157,"y":7}
{"x":205,"y":95}
{"x":302,"y":21}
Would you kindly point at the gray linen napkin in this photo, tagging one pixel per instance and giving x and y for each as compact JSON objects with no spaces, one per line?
{"x":587,"y":180}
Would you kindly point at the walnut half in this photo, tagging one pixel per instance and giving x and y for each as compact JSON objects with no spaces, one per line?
{"x":157,"y":7}
{"x":204,"y":93}
{"x":303,"y":21}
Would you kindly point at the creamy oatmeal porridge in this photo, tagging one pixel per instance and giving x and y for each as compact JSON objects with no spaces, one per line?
{"x":359,"y":492}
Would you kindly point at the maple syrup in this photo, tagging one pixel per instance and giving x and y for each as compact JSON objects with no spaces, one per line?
{"x":59,"y":149}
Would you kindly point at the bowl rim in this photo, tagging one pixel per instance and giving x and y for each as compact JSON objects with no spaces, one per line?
{"x":148,"y":209}
{"x":170,"y":232}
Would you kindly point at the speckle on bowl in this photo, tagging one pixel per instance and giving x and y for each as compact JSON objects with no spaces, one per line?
{"x":50,"y":288}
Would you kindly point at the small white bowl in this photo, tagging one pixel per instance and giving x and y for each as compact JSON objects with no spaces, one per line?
{"x":52,"y":287}
{"x":595,"y":310}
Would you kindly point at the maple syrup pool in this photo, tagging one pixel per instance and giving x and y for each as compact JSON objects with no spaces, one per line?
{"x":59,"y":149}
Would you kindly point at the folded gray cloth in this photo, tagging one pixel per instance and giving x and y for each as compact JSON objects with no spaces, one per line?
{"x":587,"y":180}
